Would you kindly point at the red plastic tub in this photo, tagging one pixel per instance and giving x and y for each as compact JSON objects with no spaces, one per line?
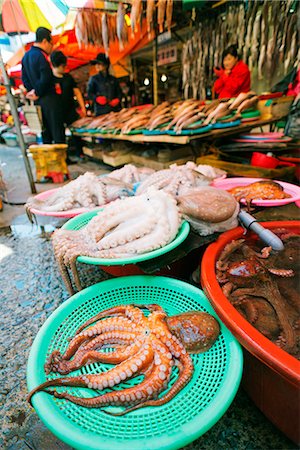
{"x":271,"y":376}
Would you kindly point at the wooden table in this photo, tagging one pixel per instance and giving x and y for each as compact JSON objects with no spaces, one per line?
{"x":165,"y":138}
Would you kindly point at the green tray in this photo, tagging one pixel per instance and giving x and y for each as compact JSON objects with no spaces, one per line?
{"x":137,"y":131}
{"x":189,"y":415}
{"x":78,"y":222}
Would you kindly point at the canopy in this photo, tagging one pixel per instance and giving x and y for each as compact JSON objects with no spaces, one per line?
{"x":79,"y":56}
{"x":28,"y":15}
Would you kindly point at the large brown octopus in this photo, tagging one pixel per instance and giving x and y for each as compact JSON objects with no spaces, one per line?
{"x":256,"y":285}
{"x":150,"y":346}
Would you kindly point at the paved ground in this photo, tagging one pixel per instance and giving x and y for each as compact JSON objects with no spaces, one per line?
{"x":30,"y":290}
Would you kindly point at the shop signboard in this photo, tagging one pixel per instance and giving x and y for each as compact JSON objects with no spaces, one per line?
{"x":167,"y":54}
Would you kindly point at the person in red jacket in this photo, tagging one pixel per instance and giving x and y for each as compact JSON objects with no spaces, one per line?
{"x":233,"y":77}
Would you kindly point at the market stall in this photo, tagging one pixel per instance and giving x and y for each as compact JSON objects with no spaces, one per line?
{"x":147,"y":361}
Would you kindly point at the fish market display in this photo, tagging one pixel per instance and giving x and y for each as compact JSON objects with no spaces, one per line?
{"x":150,"y":346}
{"x":260,"y":190}
{"x":209,"y":210}
{"x":100,"y":28}
{"x":125,"y":228}
{"x":264,"y":287}
{"x":90,"y":191}
{"x":268,"y":45}
{"x":97,"y":28}
{"x":178,"y":180}
{"x":179,"y":116}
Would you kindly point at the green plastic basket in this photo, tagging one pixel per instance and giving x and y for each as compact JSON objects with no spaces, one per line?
{"x":193,"y":411}
{"x":78,"y":222}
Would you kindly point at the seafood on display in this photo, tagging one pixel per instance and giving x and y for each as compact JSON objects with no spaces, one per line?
{"x":266,"y":44}
{"x":264,"y":287}
{"x":150,"y":346}
{"x":209,"y":210}
{"x":178,"y":180}
{"x":89,"y":191}
{"x":126,"y":227}
{"x":260,"y":190}
{"x":101,"y":27}
{"x":181,"y":115}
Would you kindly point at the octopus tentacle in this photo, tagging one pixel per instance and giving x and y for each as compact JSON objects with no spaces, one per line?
{"x":150,"y":387}
{"x":87,"y":354}
{"x":228,"y":250}
{"x":109,"y":324}
{"x":269,"y":290}
{"x":185,"y":373}
{"x":282,"y":272}
{"x":124,"y":371}
{"x":113,"y":312}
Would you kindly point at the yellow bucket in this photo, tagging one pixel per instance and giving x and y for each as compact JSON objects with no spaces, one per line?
{"x":50,"y":161}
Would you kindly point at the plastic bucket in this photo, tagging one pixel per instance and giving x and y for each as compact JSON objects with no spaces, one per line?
{"x":271,"y":376}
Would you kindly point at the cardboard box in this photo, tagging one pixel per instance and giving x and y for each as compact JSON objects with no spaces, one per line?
{"x":275,"y":107}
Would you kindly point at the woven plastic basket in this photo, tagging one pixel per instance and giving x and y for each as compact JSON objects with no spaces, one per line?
{"x":83,"y":219}
{"x":193,"y":411}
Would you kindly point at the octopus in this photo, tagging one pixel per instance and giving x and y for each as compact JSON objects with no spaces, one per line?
{"x":86,"y":191}
{"x":89,"y":191}
{"x":260,"y":190}
{"x":178,"y":180}
{"x":149,"y":346}
{"x":263,"y":287}
{"x":125,"y":228}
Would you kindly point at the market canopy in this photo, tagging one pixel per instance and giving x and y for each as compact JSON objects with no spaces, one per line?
{"x":27,"y":15}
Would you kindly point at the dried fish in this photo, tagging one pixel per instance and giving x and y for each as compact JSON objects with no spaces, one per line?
{"x":169,"y":13}
{"x":161,"y":10}
{"x":150,"y":14}
{"x":105,"y":33}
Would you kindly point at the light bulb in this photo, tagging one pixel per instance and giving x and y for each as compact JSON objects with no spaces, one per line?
{"x":146,"y":81}
{"x":164,"y":78}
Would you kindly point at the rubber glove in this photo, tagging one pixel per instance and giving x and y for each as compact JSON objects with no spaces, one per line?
{"x":101,"y":100}
{"x":114,"y":102}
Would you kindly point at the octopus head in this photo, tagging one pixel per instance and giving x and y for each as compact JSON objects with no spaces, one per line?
{"x":196,"y":330}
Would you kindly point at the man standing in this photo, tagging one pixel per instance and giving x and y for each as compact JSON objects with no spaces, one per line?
{"x":66,"y":87}
{"x":103,"y":88}
{"x":39,"y":81}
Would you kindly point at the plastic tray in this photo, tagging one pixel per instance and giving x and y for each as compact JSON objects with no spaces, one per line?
{"x":220,"y":125}
{"x":257,"y":344}
{"x":187,"y":132}
{"x":289,"y":188}
{"x":79,"y":222}
{"x":154,"y":132}
{"x":66,"y":214}
{"x":187,"y":416}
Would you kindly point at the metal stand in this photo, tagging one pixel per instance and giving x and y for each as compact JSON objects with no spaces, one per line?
{"x":17,"y":125}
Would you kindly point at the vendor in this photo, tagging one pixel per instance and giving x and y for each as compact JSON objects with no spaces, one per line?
{"x":103,"y":89}
{"x":233,"y":77}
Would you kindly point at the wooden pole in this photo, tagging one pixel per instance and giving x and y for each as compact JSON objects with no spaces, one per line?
{"x":17,"y":125}
{"x":155,"y":80}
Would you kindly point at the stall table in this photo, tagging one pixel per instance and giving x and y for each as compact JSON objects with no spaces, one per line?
{"x":167,"y":139}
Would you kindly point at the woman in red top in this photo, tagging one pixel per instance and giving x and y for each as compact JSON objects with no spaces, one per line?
{"x":234,"y":77}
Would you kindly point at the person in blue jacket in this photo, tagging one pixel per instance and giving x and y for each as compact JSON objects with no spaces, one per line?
{"x":39,"y":81}
{"x":104,"y":89}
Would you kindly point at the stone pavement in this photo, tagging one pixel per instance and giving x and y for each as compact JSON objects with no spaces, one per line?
{"x":30,"y":290}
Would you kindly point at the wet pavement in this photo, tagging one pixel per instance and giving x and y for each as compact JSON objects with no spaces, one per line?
{"x":31,"y":289}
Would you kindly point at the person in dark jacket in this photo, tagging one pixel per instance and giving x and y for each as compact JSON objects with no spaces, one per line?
{"x":103,"y":89}
{"x":66,"y":88}
{"x":39,"y":81}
